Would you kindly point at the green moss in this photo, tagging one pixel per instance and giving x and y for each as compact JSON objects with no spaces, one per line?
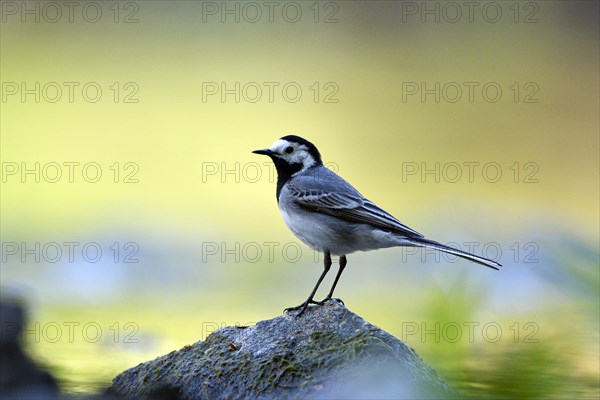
{"x":327,"y":351}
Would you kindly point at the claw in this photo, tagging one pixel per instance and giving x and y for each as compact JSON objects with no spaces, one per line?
{"x":302,"y":307}
{"x":326,"y":299}
{"x":338,"y":300}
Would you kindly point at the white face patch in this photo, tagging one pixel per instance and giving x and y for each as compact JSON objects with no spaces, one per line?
{"x":299,"y":155}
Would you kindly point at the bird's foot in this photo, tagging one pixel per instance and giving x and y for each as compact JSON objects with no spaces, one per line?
{"x":326,"y":299}
{"x":338,"y":300}
{"x":302,"y":307}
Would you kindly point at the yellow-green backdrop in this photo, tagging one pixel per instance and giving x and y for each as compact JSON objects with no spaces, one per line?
{"x":135,"y":219}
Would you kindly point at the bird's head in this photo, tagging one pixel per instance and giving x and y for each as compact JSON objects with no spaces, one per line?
{"x":292,"y":154}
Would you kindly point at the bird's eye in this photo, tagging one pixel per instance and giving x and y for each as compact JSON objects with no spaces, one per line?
{"x":289,"y":150}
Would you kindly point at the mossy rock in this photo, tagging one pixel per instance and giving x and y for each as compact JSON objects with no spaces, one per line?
{"x":328,"y":352}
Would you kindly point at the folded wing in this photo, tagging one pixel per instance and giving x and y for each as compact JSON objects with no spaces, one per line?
{"x":348,"y":205}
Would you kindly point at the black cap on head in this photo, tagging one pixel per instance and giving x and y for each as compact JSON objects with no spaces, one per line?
{"x":312,"y":149}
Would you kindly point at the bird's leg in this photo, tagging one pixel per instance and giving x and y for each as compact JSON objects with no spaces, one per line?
{"x":343,"y":263}
{"x":326,"y":266}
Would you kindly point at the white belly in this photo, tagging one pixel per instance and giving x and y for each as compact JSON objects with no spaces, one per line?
{"x":318,"y":234}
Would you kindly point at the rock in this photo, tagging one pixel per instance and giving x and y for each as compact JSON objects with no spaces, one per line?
{"x":328,"y":352}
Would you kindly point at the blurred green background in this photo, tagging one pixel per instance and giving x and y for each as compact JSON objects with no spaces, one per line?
{"x":186,"y":217}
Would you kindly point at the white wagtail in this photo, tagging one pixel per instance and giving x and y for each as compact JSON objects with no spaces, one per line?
{"x":330,"y":216}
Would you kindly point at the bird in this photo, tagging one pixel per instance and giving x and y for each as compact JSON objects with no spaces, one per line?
{"x":330,"y":216}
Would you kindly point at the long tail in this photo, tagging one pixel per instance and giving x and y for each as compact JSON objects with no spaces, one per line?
{"x":422,"y":242}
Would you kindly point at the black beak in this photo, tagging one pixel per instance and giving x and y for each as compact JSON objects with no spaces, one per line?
{"x":265,"y":152}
